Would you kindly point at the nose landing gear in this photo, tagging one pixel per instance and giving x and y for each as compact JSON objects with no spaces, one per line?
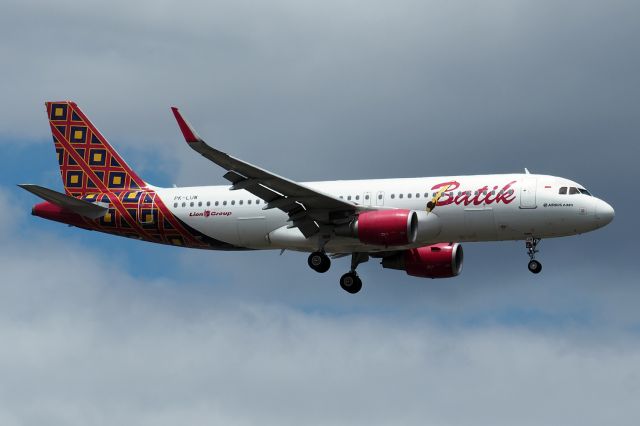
{"x":531,"y":244}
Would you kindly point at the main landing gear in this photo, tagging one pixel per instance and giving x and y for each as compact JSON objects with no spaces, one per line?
{"x":351,"y":282}
{"x":319,"y":261}
{"x":531,"y":244}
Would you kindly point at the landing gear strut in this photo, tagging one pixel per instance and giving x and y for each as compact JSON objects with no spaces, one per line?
{"x":319,"y":261}
{"x":531,"y":244}
{"x":351,"y":282}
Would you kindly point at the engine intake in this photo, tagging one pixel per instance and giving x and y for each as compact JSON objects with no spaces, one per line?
{"x":441,"y":260}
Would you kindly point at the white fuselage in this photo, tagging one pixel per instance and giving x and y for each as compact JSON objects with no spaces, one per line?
{"x":473,"y":208}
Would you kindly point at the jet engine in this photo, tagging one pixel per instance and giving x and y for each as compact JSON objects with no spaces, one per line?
{"x":392,"y":227}
{"x":383,"y":227}
{"x":442,"y":260}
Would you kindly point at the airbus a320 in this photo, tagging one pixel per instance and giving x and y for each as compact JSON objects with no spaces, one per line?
{"x":410,"y":224}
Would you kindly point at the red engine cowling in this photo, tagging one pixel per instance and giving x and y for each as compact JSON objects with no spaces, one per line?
{"x":442,"y":260}
{"x":386,"y":227}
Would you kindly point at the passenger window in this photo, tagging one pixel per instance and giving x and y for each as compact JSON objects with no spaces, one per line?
{"x":357,"y":197}
{"x":199,"y":203}
{"x":208,"y":203}
{"x":393,"y":196}
{"x":400,"y":195}
{"x":191,"y":204}
{"x":240,"y":202}
{"x":184,"y":204}
{"x":426,"y":195}
{"x":224,"y":203}
{"x":366,"y":197}
{"x":349,"y":198}
{"x":417,"y":195}
{"x":175,"y":204}
{"x":573,"y":191}
{"x":233,"y":202}
{"x":248,"y":201}
{"x":257,"y":201}
{"x":563,"y":190}
{"x":409,"y":195}
{"x":217,"y":203}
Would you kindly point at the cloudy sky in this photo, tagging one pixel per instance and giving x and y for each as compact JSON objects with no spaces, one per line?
{"x":99,"y":330}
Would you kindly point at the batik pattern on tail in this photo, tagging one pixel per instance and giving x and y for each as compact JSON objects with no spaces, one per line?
{"x":88,"y":164}
{"x":92,"y":170}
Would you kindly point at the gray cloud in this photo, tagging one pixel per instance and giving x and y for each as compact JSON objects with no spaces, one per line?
{"x":86,"y":342}
{"x":322,"y":91}
{"x":352,"y":84}
{"x":346,"y":90}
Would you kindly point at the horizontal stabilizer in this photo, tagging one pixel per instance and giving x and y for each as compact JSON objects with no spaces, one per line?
{"x":75,"y":205}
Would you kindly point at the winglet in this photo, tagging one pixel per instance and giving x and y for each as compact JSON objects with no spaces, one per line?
{"x":189,"y":134}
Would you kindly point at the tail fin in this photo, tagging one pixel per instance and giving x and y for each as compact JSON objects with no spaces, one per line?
{"x":87,"y":162}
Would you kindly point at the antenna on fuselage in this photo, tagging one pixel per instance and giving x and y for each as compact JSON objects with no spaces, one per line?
{"x":526,"y":171}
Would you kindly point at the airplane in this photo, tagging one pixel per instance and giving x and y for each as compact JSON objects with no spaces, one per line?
{"x":410,"y":224}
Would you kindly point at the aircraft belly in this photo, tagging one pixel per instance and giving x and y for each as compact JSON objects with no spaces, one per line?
{"x":479,"y":224}
{"x":546,"y":221}
{"x":219,"y":227}
{"x":252,"y":231}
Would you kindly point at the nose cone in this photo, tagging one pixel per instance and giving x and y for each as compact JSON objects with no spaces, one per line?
{"x":604,"y":213}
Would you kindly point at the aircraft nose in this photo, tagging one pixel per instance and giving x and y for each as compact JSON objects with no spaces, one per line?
{"x":604,"y":212}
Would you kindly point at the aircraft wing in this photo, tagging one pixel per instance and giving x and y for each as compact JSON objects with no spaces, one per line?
{"x":307,"y":208}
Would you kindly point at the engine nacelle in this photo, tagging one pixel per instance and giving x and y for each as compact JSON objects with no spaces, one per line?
{"x":442,"y":260}
{"x":383,"y":227}
{"x":392,"y":227}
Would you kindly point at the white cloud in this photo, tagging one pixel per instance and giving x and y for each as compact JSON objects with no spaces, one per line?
{"x":86,"y":342}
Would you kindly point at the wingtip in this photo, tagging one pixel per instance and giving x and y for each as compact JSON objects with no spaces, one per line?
{"x":187,"y":131}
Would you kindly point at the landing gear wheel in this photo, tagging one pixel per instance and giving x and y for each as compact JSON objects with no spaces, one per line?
{"x":535,"y":266}
{"x":531,"y":244}
{"x":319,"y":262}
{"x":351,"y":283}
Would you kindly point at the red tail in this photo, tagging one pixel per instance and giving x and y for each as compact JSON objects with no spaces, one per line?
{"x":88,"y":164}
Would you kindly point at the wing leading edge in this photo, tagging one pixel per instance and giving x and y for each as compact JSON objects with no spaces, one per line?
{"x":308,"y":209}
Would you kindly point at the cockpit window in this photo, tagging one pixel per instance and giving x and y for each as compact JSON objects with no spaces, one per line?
{"x":573,"y":190}
{"x":563,"y":190}
{"x":584,"y":191}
